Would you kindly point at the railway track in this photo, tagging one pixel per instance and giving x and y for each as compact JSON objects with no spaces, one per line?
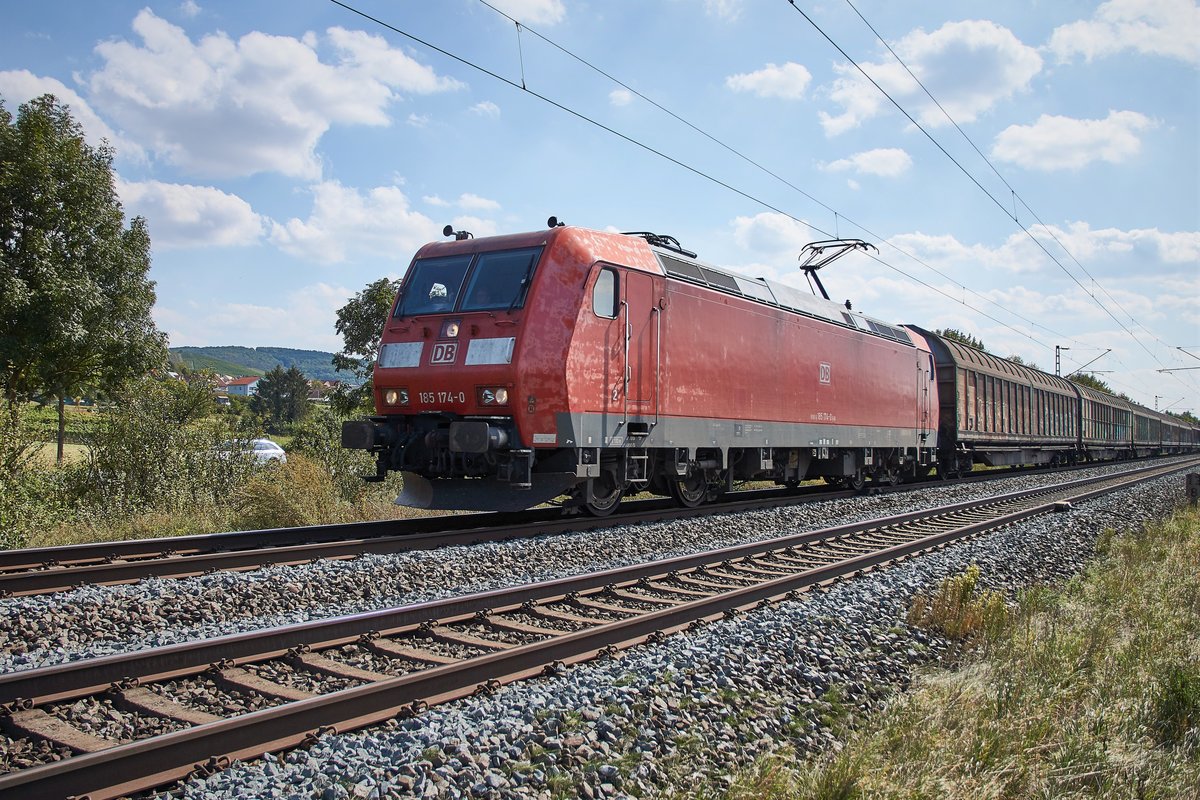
{"x":55,"y":569}
{"x":360,"y":670}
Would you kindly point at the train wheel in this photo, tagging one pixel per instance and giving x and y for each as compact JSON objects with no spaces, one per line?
{"x":603,"y":498}
{"x":833,"y":480}
{"x":856,"y":481}
{"x":887,"y":476}
{"x":690,"y":490}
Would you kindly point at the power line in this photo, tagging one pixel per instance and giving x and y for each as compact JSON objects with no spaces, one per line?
{"x":784,"y":181}
{"x":968,"y":174}
{"x":660,"y":154}
{"x":1016,"y":195}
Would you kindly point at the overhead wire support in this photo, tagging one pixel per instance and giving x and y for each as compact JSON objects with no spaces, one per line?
{"x":967,"y":173}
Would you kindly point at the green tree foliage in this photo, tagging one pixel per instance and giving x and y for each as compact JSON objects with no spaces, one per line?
{"x":360,"y":323}
{"x":281,"y":398}
{"x":1018,"y":360}
{"x":961,"y":337}
{"x":1091,"y":381}
{"x":75,"y":299}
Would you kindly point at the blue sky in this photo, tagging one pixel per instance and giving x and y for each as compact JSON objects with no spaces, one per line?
{"x":285,"y":154}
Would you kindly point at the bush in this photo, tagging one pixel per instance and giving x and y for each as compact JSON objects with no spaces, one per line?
{"x":299,"y":492}
{"x":33,"y":499}
{"x":319,"y":438}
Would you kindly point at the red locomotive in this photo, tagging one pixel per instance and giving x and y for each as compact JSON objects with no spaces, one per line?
{"x":515,"y":369}
{"x":578,"y":363}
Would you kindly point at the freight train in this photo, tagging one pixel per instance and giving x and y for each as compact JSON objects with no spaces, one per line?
{"x":586,"y":365}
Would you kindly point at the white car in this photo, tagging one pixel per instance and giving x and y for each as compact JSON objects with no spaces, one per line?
{"x":262,"y":451}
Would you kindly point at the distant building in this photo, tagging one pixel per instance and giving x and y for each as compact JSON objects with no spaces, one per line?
{"x":242,"y":387}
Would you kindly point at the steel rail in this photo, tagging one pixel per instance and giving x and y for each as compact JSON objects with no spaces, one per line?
{"x":143,"y":764}
{"x":54,"y":569}
{"x":79,"y":678}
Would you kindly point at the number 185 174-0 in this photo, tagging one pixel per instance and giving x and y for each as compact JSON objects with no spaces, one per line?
{"x":442,"y":397}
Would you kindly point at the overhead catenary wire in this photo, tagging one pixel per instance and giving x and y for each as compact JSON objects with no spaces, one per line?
{"x":968,"y":174}
{"x":1016,"y":196}
{"x":637,"y":143}
{"x":836,"y":214}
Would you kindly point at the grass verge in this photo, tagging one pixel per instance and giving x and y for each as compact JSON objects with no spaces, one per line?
{"x":1092,"y":690}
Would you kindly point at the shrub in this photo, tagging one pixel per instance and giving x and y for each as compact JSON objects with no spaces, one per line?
{"x":297,"y":493}
{"x":319,"y":438}
{"x":33,"y":499}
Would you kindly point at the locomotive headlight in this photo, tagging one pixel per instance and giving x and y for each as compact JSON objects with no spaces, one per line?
{"x":394,"y":397}
{"x":493,"y":396}
{"x":450,"y":328}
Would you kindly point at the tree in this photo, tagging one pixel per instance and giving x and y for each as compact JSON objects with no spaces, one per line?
{"x":961,"y":337}
{"x":1018,"y":360}
{"x":281,"y":398}
{"x":360,"y":322}
{"x":1090,"y":381}
{"x":75,"y":299}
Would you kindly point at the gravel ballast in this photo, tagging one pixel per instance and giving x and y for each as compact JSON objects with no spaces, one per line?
{"x":100,"y":620}
{"x":696,"y":706}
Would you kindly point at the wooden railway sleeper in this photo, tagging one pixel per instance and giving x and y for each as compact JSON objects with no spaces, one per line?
{"x":37,"y":724}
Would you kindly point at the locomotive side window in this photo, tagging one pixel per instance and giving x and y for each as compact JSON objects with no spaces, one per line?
{"x":500,"y":280}
{"x":604,"y":294}
{"x":433,"y":285}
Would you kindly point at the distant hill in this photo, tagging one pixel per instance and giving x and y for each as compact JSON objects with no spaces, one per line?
{"x":236,"y":361}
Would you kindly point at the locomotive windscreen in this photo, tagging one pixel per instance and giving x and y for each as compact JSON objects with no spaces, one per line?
{"x":480,"y":282}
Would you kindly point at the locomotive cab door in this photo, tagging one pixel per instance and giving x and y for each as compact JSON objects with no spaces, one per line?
{"x":643,"y":332}
{"x":630,"y":376}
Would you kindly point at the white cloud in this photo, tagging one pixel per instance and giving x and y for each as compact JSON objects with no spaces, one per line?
{"x":788,"y":81}
{"x":1054,"y":143}
{"x":486,"y":108}
{"x":189,"y":8}
{"x":537,"y":12}
{"x":476,"y":225}
{"x":473,"y":202}
{"x":180,"y":215}
{"x":418,"y":120}
{"x":434,"y":200}
{"x":620,"y":97}
{"x":1169,"y":28}
{"x":887,"y":162}
{"x":20,"y":86}
{"x":346,"y":223}
{"x":723,"y":9}
{"x":220,"y":107}
{"x":772,"y":234}
{"x":969,"y":66}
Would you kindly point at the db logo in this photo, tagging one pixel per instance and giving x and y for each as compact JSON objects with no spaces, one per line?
{"x":826,"y":373}
{"x":444,"y":353}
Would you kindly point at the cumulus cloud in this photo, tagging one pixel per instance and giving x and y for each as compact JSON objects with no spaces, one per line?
{"x":418,"y":120}
{"x":20,"y":86}
{"x":620,"y":97}
{"x":180,"y":215}
{"x":346,"y":223}
{"x":1054,"y":143}
{"x":969,"y":66}
{"x":772,"y":234}
{"x":189,"y":8}
{"x":474,"y":202}
{"x":787,"y":82}
{"x":220,"y":107}
{"x":537,"y":12}
{"x":886,"y":162}
{"x":1168,"y":28}
{"x":486,"y":109}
